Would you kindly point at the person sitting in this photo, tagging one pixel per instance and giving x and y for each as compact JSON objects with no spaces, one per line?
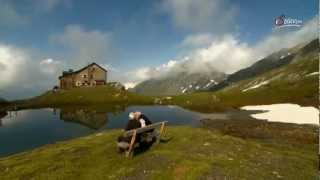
{"x":144,"y":140}
{"x":147,"y":138}
{"x":143,"y":119}
{"x":133,"y":123}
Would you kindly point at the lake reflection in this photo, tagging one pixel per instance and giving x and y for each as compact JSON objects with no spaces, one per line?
{"x":27,"y":129}
{"x":91,"y":117}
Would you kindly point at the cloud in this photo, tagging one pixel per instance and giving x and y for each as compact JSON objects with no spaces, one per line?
{"x":283,"y":39}
{"x":24,"y":74}
{"x":197,"y":40}
{"x":49,"y":5}
{"x":201,"y":15}
{"x":2,"y":67}
{"x":50,"y":66}
{"x":84,"y":46}
{"x":129,"y":85}
{"x":140,"y":74}
{"x":11,"y":59}
{"x":9,"y":16}
{"x":226,"y":53}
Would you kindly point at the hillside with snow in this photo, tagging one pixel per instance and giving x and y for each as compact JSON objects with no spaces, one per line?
{"x":273,"y":61}
{"x":180,"y":83}
{"x":284,"y":68}
{"x":296,"y":82}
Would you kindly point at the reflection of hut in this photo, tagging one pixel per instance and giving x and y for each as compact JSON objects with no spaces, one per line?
{"x":89,"y":118}
{"x":2,"y":114}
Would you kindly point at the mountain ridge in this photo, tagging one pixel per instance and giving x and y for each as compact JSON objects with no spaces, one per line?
{"x":179,"y":83}
{"x":273,"y":61}
{"x":182,"y":83}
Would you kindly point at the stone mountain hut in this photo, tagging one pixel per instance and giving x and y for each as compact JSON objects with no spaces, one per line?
{"x":89,"y":76}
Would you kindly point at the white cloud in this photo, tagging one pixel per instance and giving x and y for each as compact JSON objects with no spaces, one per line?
{"x":197,"y":40}
{"x":141,"y":74}
{"x":23,"y":74}
{"x":226,"y":54}
{"x":49,"y":5}
{"x":283,"y":39}
{"x":26,"y":72}
{"x":11,"y":60}
{"x":109,"y":67}
{"x":50,"y":66}
{"x":84,"y":46}
{"x":217,"y":56}
{"x":201,"y":15}
{"x":129,"y":85}
{"x":9,"y":16}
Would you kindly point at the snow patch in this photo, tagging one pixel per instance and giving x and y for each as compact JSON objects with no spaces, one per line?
{"x":256,"y":86}
{"x":288,"y":113}
{"x":211,"y":82}
{"x":184,"y":90}
{"x":312,"y":74}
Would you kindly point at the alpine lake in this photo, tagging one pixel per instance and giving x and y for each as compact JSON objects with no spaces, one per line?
{"x":28,"y":129}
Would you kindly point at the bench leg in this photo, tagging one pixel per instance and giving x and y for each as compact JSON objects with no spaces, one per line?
{"x":161,"y":132}
{"x":133,"y":139}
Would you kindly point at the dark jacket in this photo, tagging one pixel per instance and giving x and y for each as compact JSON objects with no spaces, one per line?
{"x":132,"y":124}
{"x":146,"y":119}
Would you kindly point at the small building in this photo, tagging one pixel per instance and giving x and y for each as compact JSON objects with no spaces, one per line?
{"x":89,"y":76}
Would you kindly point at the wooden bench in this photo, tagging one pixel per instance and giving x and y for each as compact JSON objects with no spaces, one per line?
{"x":134,"y":132}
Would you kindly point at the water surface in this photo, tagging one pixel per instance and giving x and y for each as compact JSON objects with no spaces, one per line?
{"x":27,"y":129}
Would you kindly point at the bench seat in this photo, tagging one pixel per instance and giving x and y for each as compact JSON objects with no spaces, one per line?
{"x":134,"y":132}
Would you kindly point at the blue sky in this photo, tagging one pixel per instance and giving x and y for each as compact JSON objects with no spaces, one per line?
{"x":134,"y":37}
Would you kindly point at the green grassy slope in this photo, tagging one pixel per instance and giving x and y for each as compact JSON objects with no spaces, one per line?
{"x":288,"y":84}
{"x":210,"y":154}
{"x":84,"y":96}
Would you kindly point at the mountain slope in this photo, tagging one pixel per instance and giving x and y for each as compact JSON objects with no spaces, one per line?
{"x":297,"y":82}
{"x":2,"y":101}
{"x":179,"y":83}
{"x":273,"y":61}
{"x":182,"y":83}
